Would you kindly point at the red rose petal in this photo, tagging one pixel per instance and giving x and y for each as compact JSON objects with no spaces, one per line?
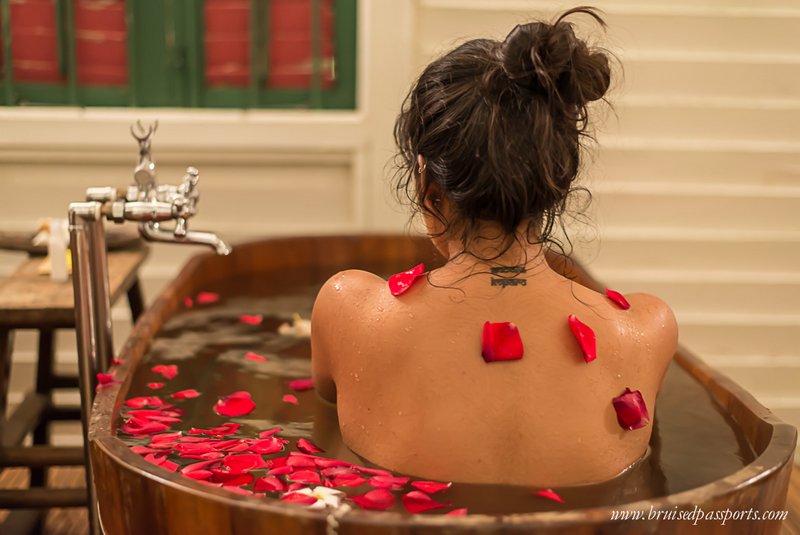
{"x":236,"y":404}
{"x":306,"y":477}
{"x":155,"y":386}
{"x":300,"y":462}
{"x":143,"y":450}
{"x":199,"y":470}
{"x":228,"y":428}
{"x":374,"y":471}
{"x":244,"y":462}
{"x":144,"y":401}
{"x":501,"y":341}
{"x":105,"y":378}
{"x":166,"y":437}
{"x":255,"y":356}
{"x":227,"y":477}
{"x":185,"y":394}
{"x":631,"y":410}
{"x":618,"y":299}
{"x":300,"y":385}
{"x":281,"y":470}
{"x":269,"y":432}
{"x":347,"y":480}
{"x":270,"y":483}
{"x":431,"y":487}
{"x":266,"y":446}
{"x":374,"y":499}
{"x":251,"y":319}
{"x":162,"y":461}
{"x":550,"y":494}
{"x":206,"y":298}
{"x":306,"y":446}
{"x":388,"y":482}
{"x":322,"y":462}
{"x":289,"y":398}
{"x":187,"y":302}
{"x":169,"y":371}
{"x":585,"y":337}
{"x":401,"y":282}
{"x":117,"y":362}
{"x":419,"y":502}
{"x":457,"y":512}
{"x":296,"y":497}
{"x":141,"y":426}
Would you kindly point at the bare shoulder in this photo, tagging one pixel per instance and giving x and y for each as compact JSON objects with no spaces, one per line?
{"x":656,"y":321}
{"x":335,"y":319}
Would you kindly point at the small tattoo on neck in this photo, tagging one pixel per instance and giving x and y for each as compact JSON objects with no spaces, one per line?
{"x":508,"y":269}
{"x":509,"y":282}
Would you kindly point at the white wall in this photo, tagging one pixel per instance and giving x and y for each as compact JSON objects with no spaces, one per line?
{"x":696,"y":179}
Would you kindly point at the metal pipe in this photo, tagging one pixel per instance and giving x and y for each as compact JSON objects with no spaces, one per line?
{"x":152,"y":231}
{"x":83,"y":272}
{"x":96,"y":241}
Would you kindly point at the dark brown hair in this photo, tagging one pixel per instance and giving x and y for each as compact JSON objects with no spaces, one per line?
{"x":500,"y":125}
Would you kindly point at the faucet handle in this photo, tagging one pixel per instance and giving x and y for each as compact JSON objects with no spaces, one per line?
{"x":185,"y":202}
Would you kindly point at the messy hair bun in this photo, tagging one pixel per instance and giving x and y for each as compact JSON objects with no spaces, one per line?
{"x":500,"y":126}
{"x":551,"y":60}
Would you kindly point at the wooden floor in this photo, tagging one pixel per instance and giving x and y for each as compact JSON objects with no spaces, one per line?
{"x":73,"y":521}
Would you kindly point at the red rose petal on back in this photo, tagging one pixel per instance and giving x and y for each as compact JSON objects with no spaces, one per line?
{"x":206,"y":298}
{"x":401,"y":282}
{"x":236,"y":404}
{"x":631,"y":410}
{"x":185,"y":394}
{"x":374,"y":499}
{"x":296,"y":497}
{"x":289,"y":398}
{"x":306,"y":446}
{"x":550,"y":494}
{"x":169,"y":371}
{"x":501,"y":341}
{"x":457,"y":512}
{"x":251,"y":319}
{"x":585,"y":337}
{"x":618,"y":299}
{"x":255,"y":356}
{"x":419,"y":502}
{"x":430,"y":487}
{"x":300,"y":385}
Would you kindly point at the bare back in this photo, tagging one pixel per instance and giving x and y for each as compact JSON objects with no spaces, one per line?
{"x":415,"y":396}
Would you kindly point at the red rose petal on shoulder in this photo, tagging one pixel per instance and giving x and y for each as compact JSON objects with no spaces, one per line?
{"x":388,"y":482}
{"x":289,"y":398}
{"x":306,"y":446}
{"x":236,"y":404}
{"x":155,"y":386}
{"x":419,"y":502}
{"x":306,"y":477}
{"x":431,"y":487}
{"x":457,"y":512}
{"x":270,"y":483}
{"x":169,"y":371}
{"x":296,"y":497}
{"x":585,"y":337}
{"x":618,"y":299}
{"x":401,"y":282}
{"x":501,"y":341}
{"x":206,"y":298}
{"x":374,"y":499}
{"x":300,"y":385}
{"x":550,"y":494}
{"x":251,"y":319}
{"x":631,"y":410}
{"x":255,"y":356}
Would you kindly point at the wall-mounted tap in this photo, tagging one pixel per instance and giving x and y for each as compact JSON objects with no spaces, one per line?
{"x":150,"y":205}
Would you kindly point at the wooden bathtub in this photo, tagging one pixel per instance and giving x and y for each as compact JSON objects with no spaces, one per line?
{"x":136,"y":497}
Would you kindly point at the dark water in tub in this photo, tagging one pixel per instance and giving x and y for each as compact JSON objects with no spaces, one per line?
{"x":693,"y":441}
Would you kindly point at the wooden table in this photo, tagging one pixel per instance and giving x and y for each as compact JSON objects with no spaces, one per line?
{"x":29,"y":300}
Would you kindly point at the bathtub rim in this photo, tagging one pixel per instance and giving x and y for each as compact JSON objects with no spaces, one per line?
{"x":779,"y":438}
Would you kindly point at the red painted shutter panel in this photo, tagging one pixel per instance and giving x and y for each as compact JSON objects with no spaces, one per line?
{"x":101,"y":48}
{"x":290,"y":46}
{"x":227,"y":43}
{"x":34,"y":48}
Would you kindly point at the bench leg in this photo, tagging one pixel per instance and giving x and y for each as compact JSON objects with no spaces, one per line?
{"x":136,"y":300}
{"x":44,"y":386}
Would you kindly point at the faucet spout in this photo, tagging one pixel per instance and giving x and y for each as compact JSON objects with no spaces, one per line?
{"x":153,"y":232}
